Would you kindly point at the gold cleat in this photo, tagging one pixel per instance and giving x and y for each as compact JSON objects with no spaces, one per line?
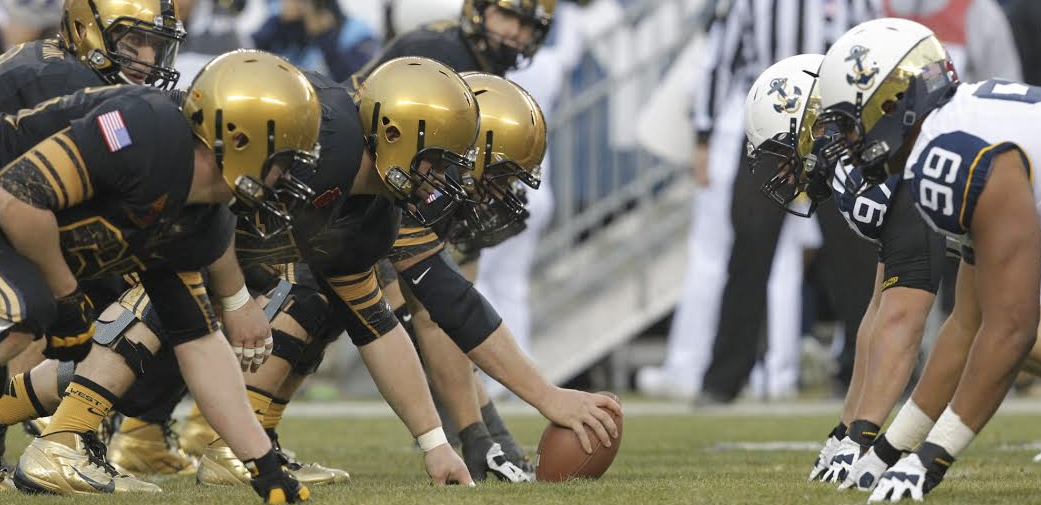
{"x":52,"y":467}
{"x":310,"y":473}
{"x":218,"y":466}
{"x":196,"y":435}
{"x":151,"y":450}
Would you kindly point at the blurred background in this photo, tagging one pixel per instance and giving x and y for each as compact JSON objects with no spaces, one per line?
{"x":639,"y":278}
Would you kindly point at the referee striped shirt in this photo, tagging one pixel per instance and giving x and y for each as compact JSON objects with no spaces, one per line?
{"x":747,"y":36}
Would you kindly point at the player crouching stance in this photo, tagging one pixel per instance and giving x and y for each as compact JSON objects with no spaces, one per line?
{"x":892,"y":104}
{"x":246,"y":162}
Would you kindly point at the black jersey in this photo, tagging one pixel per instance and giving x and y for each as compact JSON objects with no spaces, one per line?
{"x":338,"y":236}
{"x":443,"y":41}
{"x":115,"y":165}
{"x":40,"y":70}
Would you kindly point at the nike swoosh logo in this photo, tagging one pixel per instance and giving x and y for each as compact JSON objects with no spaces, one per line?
{"x":104,"y":488}
{"x":419,"y":279}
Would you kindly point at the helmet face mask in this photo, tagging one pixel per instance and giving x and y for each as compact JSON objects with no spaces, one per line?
{"x":434,"y":177}
{"x":128,"y":42}
{"x":283,"y":198}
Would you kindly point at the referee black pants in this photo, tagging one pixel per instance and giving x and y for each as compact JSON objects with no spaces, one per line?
{"x":849,"y":270}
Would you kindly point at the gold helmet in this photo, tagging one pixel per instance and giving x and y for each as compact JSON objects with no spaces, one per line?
{"x":115,"y":37}
{"x":510,"y":147}
{"x":414,"y":110}
{"x":538,"y":14}
{"x":256,"y":111}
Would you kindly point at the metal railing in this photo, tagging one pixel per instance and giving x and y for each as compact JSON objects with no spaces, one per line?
{"x":596,"y":183}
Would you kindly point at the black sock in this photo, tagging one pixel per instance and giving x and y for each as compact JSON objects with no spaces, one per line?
{"x":475,"y":432}
{"x":501,"y":434}
{"x":864,"y":432}
{"x":886,"y":452}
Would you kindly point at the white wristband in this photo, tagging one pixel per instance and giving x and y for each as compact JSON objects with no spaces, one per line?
{"x":432,"y":439}
{"x":951,"y":433}
{"x":235,"y":301}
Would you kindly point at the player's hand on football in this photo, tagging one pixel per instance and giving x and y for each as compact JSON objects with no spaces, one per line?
{"x":577,"y":409}
{"x":865,"y":472}
{"x":847,"y":453}
{"x":445,"y":467}
{"x":905,"y":480}
{"x":820,"y":465}
{"x":71,"y":335}
{"x":249,"y":334}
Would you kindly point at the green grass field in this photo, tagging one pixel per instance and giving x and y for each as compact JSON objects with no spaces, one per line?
{"x":664,"y":459}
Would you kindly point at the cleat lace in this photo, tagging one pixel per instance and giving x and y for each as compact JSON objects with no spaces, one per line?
{"x":97,"y":453}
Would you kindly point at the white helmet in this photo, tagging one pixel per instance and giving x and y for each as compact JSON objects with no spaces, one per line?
{"x":780,"y":111}
{"x":876,"y":82}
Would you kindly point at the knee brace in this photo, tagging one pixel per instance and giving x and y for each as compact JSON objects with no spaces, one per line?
{"x":287,"y":347}
{"x":309,"y":309}
{"x":452,"y":301}
{"x":314,"y":352}
{"x":113,"y":335}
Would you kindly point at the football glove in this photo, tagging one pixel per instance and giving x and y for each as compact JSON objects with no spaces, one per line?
{"x":279,"y":488}
{"x":865,"y":472}
{"x":847,"y":453}
{"x":483,"y":459}
{"x":820,"y":465}
{"x":905,"y":480}
{"x":71,"y":335}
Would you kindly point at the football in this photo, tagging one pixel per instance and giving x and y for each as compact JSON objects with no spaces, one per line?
{"x":560,"y":455}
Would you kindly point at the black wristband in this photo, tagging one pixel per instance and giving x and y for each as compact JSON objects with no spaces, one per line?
{"x":839,"y":432}
{"x":936,"y":460}
{"x":864,"y":432}
{"x":886,"y":452}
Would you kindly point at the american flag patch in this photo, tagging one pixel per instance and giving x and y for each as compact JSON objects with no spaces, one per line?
{"x":114,"y":130}
{"x":432,"y":197}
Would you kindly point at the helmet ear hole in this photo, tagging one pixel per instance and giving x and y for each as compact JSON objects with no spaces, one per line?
{"x":392,"y":133}
{"x":81,"y":31}
{"x":239,"y":140}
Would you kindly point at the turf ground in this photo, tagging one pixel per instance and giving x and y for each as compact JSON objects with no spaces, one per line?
{"x":689,"y":458}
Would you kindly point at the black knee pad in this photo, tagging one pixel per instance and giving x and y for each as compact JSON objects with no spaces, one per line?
{"x":287,"y":346}
{"x":452,"y":301}
{"x":309,"y":309}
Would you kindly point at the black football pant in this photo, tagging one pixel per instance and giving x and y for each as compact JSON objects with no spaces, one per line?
{"x":848,"y":268}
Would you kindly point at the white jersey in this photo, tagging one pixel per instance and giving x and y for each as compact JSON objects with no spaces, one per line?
{"x":951,"y":158}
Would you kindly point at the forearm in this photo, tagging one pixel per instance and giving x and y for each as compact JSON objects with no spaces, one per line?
{"x":226,"y":276}
{"x":501,"y":358}
{"x":395,"y":368}
{"x":449,"y":370}
{"x":34,"y":234}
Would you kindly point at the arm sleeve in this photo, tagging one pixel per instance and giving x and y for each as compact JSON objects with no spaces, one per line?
{"x":359,"y":306}
{"x":52,"y":175}
{"x":992,"y":50}
{"x":180,"y":301}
